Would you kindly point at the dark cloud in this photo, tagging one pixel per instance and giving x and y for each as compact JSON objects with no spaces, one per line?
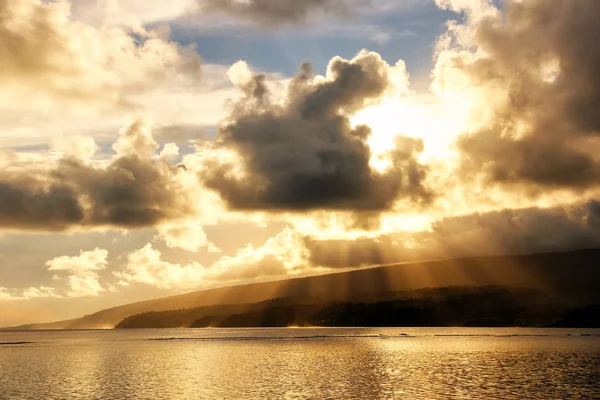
{"x":304,"y":154}
{"x":541,"y":63}
{"x":355,"y":253}
{"x":269,"y":12}
{"x":26,"y":204}
{"x":530,"y":230}
{"x":133,"y":190}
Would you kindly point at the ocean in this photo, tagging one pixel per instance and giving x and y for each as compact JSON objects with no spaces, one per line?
{"x":301,"y":363}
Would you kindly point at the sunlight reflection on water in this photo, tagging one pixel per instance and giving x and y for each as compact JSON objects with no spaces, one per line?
{"x":360,"y":364}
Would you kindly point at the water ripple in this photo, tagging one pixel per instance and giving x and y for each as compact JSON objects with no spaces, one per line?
{"x":294,"y":364}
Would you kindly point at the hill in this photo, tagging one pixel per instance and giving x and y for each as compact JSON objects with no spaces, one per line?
{"x":573,"y":277}
{"x":452,"y":306}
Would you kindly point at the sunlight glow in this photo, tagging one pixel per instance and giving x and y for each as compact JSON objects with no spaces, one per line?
{"x":429,"y":118}
{"x":406,"y":223}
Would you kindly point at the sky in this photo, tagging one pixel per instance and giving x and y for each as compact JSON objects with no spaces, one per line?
{"x":151,"y":148}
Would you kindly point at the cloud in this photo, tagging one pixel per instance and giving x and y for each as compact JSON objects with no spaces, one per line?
{"x":136,"y":138}
{"x":474,"y":7}
{"x":352,"y":253}
{"x":529,"y":230}
{"x":83,"y":280}
{"x":146,"y":266}
{"x":264,"y":12}
{"x":41,"y":292}
{"x":79,"y":147}
{"x":169,"y":152}
{"x":130,"y":12}
{"x":292,"y":253}
{"x":4,"y":294}
{"x":87,"y":261}
{"x":303,"y":153}
{"x":538,"y":91}
{"x":190,"y":237}
{"x":281,"y":256}
{"x":52,"y":62}
{"x":133,"y":189}
{"x":270,"y":13}
{"x":84,"y":285}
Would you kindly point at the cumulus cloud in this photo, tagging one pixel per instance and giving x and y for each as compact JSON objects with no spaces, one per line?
{"x":534,"y":66}
{"x":48,"y":58}
{"x":146,"y":266}
{"x":169,"y":152}
{"x":190,"y":237}
{"x":529,"y":72}
{"x":133,"y":189}
{"x":83,"y":279}
{"x":84,"y":284}
{"x":302,"y":153}
{"x":281,"y":256}
{"x":475,"y":7}
{"x":87,"y":261}
{"x":292,"y":253}
{"x":136,"y":138}
{"x":79,"y":147}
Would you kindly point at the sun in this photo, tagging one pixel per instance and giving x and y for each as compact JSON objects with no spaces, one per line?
{"x":424,"y":117}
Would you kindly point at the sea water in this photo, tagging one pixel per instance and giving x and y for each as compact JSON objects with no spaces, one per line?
{"x":301,"y":363}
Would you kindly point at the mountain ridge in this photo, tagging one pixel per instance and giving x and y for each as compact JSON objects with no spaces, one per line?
{"x":551,"y":272}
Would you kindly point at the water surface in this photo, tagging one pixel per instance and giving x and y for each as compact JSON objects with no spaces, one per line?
{"x":318,"y":363}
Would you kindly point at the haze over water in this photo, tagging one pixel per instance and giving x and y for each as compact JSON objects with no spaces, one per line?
{"x":362,"y":364}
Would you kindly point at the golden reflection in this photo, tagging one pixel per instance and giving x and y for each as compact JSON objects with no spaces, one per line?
{"x":299,"y":363}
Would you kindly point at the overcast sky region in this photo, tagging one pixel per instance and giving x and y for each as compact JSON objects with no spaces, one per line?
{"x":151,"y":148}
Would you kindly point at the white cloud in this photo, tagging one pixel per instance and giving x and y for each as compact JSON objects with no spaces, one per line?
{"x":79,"y":147}
{"x":82,"y":280}
{"x":240,"y":73}
{"x":285,"y":254}
{"x":41,"y":292}
{"x":473,"y":6}
{"x":51,"y":61}
{"x":170,"y":151}
{"x":84,"y":285}
{"x":66,"y":77}
{"x":85,"y":261}
{"x":281,"y":256}
{"x":189,"y":237}
{"x":174,"y":101}
{"x":130,"y":12}
{"x":136,"y":138}
{"x":146,"y":266}
{"x":5,"y":294}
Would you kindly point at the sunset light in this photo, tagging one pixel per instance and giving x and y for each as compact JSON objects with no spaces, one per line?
{"x":299,"y":199}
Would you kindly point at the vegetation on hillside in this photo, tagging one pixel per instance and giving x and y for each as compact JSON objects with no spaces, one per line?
{"x":490,"y":306}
